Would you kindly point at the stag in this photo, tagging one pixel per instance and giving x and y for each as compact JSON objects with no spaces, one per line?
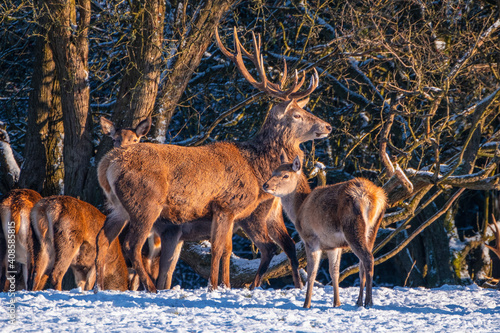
{"x":265,"y":225}
{"x":66,"y":229}
{"x":220,"y":183}
{"x":330,"y":218}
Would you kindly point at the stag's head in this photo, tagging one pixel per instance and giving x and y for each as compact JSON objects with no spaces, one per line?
{"x":288,"y":116}
{"x":125,"y":136}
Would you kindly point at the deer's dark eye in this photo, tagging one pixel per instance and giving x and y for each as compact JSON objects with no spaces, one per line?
{"x":297,"y":116}
{"x":285,"y":176}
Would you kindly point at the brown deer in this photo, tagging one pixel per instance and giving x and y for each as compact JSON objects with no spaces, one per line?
{"x":125,"y":136}
{"x":121,"y":138}
{"x":66,"y":229}
{"x":219,"y":183}
{"x":15,"y":211}
{"x":330,"y":218}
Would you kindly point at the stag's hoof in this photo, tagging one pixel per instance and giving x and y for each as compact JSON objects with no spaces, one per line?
{"x":96,"y":289}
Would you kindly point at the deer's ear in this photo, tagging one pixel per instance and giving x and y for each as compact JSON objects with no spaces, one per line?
{"x":108,"y":128}
{"x":296,"y":165}
{"x":302,"y":103}
{"x":144,"y":126}
{"x":282,"y":108}
{"x":283,"y":157}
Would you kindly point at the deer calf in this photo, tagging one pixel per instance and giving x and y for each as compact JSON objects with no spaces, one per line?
{"x":330,"y":218}
{"x":125,"y":136}
{"x":66,"y":229}
{"x":15,"y":211}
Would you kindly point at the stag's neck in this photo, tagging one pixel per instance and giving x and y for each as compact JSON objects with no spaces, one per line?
{"x":293,"y":202}
{"x":264,"y":150}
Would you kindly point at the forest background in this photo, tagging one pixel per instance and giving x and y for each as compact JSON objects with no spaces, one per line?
{"x":411,"y":89}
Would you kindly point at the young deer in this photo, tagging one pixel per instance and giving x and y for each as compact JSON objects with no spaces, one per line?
{"x":66,"y":229}
{"x":330,"y":218}
{"x":220,"y":182}
{"x":15,"y":211}
{"x":125,"y":136}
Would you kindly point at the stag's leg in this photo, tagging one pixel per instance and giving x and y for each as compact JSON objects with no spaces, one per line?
{"x":278,"y":232}
{"x":334,"y":261}
{"x":140,"y":228}
{"x":313,"y":258}
{"x":170,"y":250}
{"x":256,"y":229}
{"x":113,"y":226}
{"x":221,"y":239}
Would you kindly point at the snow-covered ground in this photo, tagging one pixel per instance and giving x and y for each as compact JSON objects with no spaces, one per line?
{"x":446,"y":309}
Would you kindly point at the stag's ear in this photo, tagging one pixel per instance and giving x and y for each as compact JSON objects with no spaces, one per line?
{"x":283,"y":157}
{"x":144,"y":126}
{"x":302,"y":103}
{"x":108,"y":128}
{"x":296,"y":165}
{"x":283,"y":107}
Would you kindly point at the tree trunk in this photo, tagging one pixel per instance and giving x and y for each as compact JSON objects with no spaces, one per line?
{"x":191,"y":43}
{"x":43,"y":169}
{"x":139,"y":85}
{"x":68,"y":36}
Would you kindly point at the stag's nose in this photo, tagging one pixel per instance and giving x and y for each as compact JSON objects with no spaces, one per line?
{"x":328,"y":128}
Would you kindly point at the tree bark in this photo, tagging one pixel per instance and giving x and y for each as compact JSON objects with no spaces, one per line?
{"x":43,"y":169}
{"x":68,"y":36}
{"x":139,"y":85}
{"x":187,"y":53}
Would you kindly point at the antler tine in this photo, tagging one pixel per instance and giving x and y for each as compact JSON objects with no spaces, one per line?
{"x":312,"y":86}
{"x":273,"y":89}
{"x":285,"y":74}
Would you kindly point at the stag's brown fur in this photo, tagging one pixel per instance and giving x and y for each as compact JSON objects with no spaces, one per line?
{"x":16,"y":207}
{"x":66,"y":229}
{"x":330,"y":218}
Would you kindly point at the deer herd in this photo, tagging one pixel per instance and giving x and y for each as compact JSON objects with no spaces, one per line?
{"x":168,"y":194}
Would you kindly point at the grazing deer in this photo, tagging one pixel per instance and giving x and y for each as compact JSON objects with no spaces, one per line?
{"x":125,"y":136}
{"x":66,"y":229}
{"x":220,"y":182}
{"x":15,"y":211}
{"x":330,"y":218}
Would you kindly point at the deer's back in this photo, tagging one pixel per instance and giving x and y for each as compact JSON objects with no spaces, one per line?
{"x":330,"y":211}
{"x":68,"y":217}
{"x":186,"y":181}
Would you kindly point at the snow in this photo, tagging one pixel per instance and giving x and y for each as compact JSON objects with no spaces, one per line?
{"x":445,"y":309}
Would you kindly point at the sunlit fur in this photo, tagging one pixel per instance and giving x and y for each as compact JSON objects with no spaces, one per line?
{"x":330,"y":218}
{"x":220,"y":182}
{"x":16,"y":207}
{"x":66,"y":229}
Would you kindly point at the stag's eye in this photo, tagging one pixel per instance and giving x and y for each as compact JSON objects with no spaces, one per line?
{"x":297,"y":116}
{"x":285,"y":176}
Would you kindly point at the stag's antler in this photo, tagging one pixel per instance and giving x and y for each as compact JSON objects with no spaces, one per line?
{"x":496,"y":231}
{"x":273,"y":89}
